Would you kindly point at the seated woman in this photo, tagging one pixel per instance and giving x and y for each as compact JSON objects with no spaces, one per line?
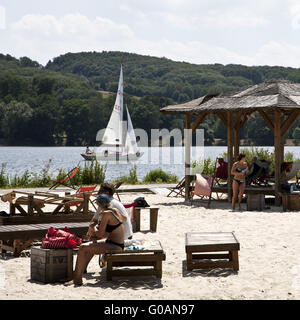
{"x":109,"y":235}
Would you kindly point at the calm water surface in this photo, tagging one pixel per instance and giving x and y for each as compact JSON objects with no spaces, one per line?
{"x":33,"y":159}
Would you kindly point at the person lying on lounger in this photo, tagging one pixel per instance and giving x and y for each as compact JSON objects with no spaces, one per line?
{"x":111,"y":235}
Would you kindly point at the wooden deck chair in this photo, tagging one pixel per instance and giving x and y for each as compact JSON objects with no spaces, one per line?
{"x":117,"y":186}
{"x":294,"y":171}
{"x":221,"y":171}
{"x":202,"y":186}
{"x":79,"y":194}
{"x":67,"y":180}
{"x":179,"y":189}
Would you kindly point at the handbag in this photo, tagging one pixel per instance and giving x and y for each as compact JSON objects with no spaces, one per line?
{"x":60,"y":239}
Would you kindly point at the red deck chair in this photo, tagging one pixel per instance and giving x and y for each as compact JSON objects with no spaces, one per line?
{"x":222,"y":171}
{"x":67,"y":180}
{"x":79,"y":194}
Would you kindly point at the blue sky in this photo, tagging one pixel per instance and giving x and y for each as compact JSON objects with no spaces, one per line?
{"x":257,"y":32}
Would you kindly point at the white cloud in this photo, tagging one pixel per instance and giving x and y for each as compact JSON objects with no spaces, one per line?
{"x":235,"y":17}
{"x":43,"y":37}
{"x":294,"y":11}
{"x":2,"y":18}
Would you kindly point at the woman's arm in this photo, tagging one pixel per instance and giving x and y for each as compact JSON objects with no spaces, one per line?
{"x":100,"y":234}
{"x":233,"y":169}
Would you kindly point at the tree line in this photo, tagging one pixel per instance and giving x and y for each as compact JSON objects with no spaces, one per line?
{"x":63,"y":103}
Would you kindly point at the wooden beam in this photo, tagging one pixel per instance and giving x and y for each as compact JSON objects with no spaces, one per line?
{"x":223,"y":117}
{"x":229,"y":154}
{"x":267,"y":119}
{"x":277,"y":142}
{"x":292,"y":117}
{"x":197,"y":121}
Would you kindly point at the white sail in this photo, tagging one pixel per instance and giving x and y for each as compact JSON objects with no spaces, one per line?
{"x":130,"y":143}
{"x":113,"y":134}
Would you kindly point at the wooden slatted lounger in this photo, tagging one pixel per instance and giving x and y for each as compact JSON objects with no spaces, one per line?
{"x":17,"y":238}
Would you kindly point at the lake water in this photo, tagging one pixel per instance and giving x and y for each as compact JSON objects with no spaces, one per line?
{"x":33,"y":159}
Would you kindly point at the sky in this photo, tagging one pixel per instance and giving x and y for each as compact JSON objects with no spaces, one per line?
{"x":256,"y":32}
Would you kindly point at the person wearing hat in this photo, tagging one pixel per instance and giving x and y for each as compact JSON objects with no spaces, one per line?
{"x":109,"y":190}
{"x":111,"y":235}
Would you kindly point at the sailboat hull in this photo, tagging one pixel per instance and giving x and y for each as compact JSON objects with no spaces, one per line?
{"x":112,"y":157}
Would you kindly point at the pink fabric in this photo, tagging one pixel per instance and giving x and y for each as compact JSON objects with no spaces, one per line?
{"x":202,"y":185}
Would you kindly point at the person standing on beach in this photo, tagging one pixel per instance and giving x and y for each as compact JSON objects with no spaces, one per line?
{"x":239,"y":171}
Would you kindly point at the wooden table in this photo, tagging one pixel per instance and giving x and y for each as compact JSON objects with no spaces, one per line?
{"x":209,"y":243}
{"x":17,"y":238}
{"x":152,"y":256}
{"x":153,"y":217}
{"x":290,"y":201}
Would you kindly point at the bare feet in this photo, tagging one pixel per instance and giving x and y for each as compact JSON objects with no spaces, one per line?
{"x":72,"y":282}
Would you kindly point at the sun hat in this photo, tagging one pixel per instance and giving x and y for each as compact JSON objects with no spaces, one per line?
{"x":103,"y":199}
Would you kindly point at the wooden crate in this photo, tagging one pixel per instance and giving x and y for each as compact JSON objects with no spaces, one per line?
{"x":255,"y":202}
{"x":290,"y":201}
{"x":51,"y":265}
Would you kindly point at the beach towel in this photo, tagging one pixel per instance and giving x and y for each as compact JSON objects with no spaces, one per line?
{"x":202,"y":185}
{"x":60,"y":239}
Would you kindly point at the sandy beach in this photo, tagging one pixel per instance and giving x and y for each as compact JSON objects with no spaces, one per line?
{"x":269,"y":258}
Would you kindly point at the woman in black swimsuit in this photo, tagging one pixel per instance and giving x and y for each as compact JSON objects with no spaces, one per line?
{"x":239,"y":171}
{"x":111,"y":235}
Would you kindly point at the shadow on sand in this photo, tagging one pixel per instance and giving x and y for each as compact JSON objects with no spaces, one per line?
{"x":216,"y":272}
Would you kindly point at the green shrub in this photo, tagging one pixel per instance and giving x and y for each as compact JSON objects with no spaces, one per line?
{"x":132,"y":178}
{"x":159,"y":176}
{"x":4,"y":181}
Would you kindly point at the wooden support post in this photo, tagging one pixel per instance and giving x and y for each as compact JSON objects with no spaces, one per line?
{"x":85,"y":203}
{"x":187,"y":144}
{"x":30,"y":205}
{"x":277,"y":144}
{"x":229,"y":154}
{"x":236,"y":135}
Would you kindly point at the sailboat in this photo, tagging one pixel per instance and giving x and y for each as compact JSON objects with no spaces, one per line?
{"x":125,"y":149}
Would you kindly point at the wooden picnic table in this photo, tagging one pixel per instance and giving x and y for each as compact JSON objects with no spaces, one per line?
{"x":17,"y":238}
{"x":38,"y":200}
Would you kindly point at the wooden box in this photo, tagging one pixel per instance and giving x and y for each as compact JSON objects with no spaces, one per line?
{"x":291,"y":201}
{"x":255,"y":202}
{"x":51,"y":265}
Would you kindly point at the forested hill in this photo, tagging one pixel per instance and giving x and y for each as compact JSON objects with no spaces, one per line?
{"x":63,"y":101}
{"x":180,"y":81}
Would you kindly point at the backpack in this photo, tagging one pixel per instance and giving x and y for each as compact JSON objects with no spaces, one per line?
{"x":141,"y":202}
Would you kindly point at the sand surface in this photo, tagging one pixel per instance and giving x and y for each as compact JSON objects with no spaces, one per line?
{"x":269,"y":258}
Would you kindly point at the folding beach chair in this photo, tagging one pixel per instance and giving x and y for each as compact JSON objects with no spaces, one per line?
{"x":117,"y":186}
{"x":259,"y":173}
{"x":179,"y":189}
{"x":202,"y":186}
{"x":79,"y":194}
{"x":67,"y":180}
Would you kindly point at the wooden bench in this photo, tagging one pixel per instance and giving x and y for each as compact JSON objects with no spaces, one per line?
{"x":290,"y":201}
{"x":153,"y":217}
{"x":207,"y":244}
{"x":16,"y":238}
{"x":152,"y":257}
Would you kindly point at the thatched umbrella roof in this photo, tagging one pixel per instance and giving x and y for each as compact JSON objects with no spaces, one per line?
{"x":269,"y":94}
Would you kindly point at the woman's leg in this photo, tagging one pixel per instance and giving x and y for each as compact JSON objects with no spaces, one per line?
{"x":241,"y":193}
{"x":85,"y":254}
{"x":235,"y":190}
